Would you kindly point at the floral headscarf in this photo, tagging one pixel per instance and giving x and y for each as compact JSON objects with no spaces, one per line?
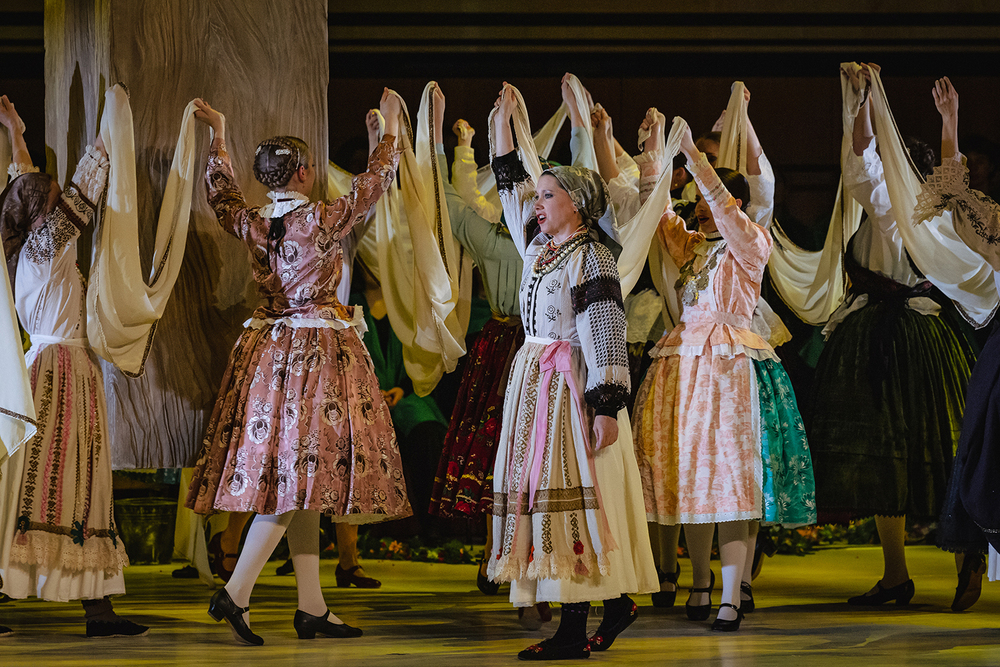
{"x":590,"y":195}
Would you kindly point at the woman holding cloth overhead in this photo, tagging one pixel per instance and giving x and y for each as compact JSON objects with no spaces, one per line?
{"x":568,"y":519}
{"x":300,"y":426}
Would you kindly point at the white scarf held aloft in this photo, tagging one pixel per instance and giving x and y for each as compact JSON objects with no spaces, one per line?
{"x":954,"y":268}
{"x":122,"y":310}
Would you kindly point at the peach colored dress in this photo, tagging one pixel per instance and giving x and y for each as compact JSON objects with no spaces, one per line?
{"x":697,"y":418}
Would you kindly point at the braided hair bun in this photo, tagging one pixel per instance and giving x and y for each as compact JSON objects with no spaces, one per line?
{"x":277,"y":159}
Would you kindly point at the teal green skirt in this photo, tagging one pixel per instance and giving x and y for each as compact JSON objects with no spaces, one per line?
{"x":788,"y":488}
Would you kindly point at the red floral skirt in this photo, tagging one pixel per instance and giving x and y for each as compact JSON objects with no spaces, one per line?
{"x":463,"y":484}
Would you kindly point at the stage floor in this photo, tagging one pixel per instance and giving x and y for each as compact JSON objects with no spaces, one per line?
{"x":429,"y":614}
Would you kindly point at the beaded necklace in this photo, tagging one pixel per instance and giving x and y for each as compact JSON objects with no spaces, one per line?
{"x":553,"y":254}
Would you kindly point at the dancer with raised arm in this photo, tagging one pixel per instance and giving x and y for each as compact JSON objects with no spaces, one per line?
{"x":568,"y":520}
{"x":66,"y":545}
{"x":300,"y":426}
{"x":970,"y":520}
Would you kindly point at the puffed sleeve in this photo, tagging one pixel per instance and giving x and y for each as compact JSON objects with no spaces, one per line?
{"x":676,"y":238}
{"x":864,"y":179}
{"x":600,"y":324}
{"x":749,"y":243}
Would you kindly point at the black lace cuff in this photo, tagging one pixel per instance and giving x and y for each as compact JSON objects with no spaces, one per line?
{"x":604,"y":288}
{"x":607,"y":399}
{"x":509,"y":171}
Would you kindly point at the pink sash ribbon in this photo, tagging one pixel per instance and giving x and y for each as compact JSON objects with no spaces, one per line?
{"x":558,"y":356}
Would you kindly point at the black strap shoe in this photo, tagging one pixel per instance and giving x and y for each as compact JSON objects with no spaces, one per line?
{"x":701,"y":612}
{"x":483,"y":583}
{"x":308,"y":626}
{"x":120,"y":627}
{"x":222,"y":607}
{"x":902,"y":594}
{"x":722,"y":625}
{"x":665,"y":599}
{"x":747,"y":605}
{"x":970,"y":581}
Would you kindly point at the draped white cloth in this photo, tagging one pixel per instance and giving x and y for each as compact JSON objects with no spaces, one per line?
{"x":733,"y":155}
{"x":935,"y":247}
{"x":122,"y":308}
{"x":428,"y":301}
{"x":813,"y":283}
{"x":544,"y":139}
{"x":634,"y":235}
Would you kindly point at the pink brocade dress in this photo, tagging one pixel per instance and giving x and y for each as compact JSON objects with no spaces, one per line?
{"x":300,"y":422}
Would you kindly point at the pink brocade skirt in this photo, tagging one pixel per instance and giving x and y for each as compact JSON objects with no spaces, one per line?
{"x":300,"y":423}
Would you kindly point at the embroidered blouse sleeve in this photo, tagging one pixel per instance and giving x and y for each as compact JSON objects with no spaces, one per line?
{"x":342,"y":214}
{"x":15,"y":169}
{"x":749,"y":243}
{"x":975,"y":215}
{"x":600,"y":324}
{"x":463,"y":177}
{"x":73,"y":211}
{"x":650,"y":165}
{"x":517,"y":195}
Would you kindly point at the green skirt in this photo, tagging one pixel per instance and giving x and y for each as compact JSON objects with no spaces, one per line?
{"x":886,"y":411}
{"x":787,"y":489}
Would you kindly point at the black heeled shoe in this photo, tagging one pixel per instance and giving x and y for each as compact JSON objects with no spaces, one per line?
{"x":902,"y":594}
{"x":722,"y":625}
{"x":605,"y":636}
{"x":970,"y":581}
{"x":547,"y":650}
{"x":747,"y":605}
{"x":222,"y":607}
{"x":701,"y":612}
{"x":308,"y":626}
{"x":664,"y":599}
{"x":483,"y":583}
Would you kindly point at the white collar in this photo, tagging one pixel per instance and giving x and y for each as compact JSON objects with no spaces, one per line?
{"x":282,"y":203}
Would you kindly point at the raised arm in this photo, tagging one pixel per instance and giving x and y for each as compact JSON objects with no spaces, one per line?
{"x":463,"y":174}
{"x":74,"y":209}
{"x":20,"y":158}
{"x":749,"y":243}
{"x":976,"y":216}
{"x":224,"y":195}
{"x":514,"y":184}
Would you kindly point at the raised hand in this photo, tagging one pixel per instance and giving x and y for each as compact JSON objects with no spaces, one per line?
{"x":437,"y":98}
{"x":209,"y":116}
{"x":505,"y":102}
{"x":372,"y":125}
{"x":945,"y":98}
{"x":569,"y":99}
{"x":688,"y":147}
{"x":9,"y":117}
{"x":653,"y":123}
{"x":463,"y":131}
{"x":390,"y":108}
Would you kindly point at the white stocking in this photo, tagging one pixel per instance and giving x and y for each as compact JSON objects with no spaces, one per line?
{"x":733,"y":552}
{"x":264,"y":535}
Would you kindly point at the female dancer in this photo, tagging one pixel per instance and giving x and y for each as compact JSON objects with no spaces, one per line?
{"x":699,"y":419}
{"x":567,"y":517}
{"x":66,"y":545}
{"x":970,"y":522}
{"x":889,"y":388}
{"x":300,"y":426}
